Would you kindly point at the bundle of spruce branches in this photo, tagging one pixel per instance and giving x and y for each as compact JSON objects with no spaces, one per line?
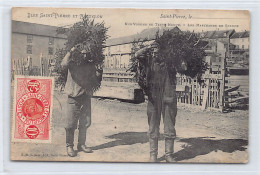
{"x":88,"y":38}
{"x":175,"y":48}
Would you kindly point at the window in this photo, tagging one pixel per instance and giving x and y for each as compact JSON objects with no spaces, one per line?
{"x":50,"y":50}
{"x":29,"y":49}
{"x":243,"y":46}
{"x":29,"y":38}
{"x":51,"y":40}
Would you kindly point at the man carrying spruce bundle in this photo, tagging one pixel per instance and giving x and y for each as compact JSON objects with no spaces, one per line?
{"x":82,"y":77}
{"x":161,"y":101}
{"x":156,"y":67}
{"x":81,"y":68}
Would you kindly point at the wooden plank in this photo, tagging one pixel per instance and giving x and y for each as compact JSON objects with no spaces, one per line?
{"x":216,"y":63}
{"x":199,"y":89}
{"x":180,"y":88}
{"x":239,"y":99}
{"x":205,"y":96}
{"x":213,"y":93}
{"x":113,"y":92}
{"x":232,"y":89}
{"x":210,"y":76}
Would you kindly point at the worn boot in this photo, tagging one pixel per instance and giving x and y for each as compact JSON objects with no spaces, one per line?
{"x":169,"y":150}
{"x":69,"y":142}
{"x":82,"y":140}
{"x":71,"y":152}
{"x":153,"y":149}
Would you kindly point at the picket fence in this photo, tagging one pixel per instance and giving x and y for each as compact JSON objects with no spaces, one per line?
{"x":209,"y":93}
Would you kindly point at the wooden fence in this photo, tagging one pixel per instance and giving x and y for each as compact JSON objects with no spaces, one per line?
{"x":24,"y":66}
{"x":209,"y":92}
{"x":215,"y":90}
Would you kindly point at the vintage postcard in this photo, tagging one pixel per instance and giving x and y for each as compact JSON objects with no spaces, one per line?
{"x":130,"y":85}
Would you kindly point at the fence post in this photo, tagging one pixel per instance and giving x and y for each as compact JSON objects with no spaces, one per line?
{"x":22,"y":66}
{"x":222,"y":84}
{"x":41,"y":64}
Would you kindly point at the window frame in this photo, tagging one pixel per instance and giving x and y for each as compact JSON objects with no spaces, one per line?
{"x":29,"y":39}
{"x":50,"y":48}
{"x":51,"y":40}
{"x":29,"y":49}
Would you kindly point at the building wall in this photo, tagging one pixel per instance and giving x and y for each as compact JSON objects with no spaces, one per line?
{"x":117,"y":61}
{"x":40,"y":45}
{"x":242,"y":43}
{"x":118,"y":49}
{"x":221,"y":49}
{"x":118,"y":56}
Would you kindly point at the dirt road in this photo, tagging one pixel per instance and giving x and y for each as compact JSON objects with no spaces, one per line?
{"x":118,"y":133}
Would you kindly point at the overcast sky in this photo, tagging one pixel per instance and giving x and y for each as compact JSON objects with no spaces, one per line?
{"x":124,"y":22}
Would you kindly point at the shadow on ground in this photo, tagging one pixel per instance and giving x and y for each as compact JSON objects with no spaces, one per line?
{"x":203,"y":145}
{"x":125,"y":138}
{"x":192,"y":147}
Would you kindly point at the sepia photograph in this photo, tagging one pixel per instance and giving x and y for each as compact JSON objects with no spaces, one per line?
{"x":129,"y":85}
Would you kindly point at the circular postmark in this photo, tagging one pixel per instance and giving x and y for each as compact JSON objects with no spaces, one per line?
{"x":32,"y":131}
{"x":33,"y":108}
{"x":33,"y":86}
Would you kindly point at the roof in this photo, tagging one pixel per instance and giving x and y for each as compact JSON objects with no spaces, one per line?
{"x":176,"y":30}
{"x":224,"y":42}
{"x":202,"y":43}
{"x":218,"y":34}
{"x":149,"y":34}
{"x":36,"y":29}
{"x":146,"y":34}
{"x":244,"y":34}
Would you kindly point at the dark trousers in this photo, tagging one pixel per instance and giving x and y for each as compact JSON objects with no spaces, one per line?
{"x":78,"y":114}
{"x":164,"y":104}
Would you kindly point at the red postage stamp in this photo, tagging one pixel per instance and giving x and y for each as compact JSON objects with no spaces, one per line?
{"x":32,"y":109}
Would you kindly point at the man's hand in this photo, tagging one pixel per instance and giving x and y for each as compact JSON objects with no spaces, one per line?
{"x":72,"y":49}
{"x":66,"y":59}
{"x":75,"y":47}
